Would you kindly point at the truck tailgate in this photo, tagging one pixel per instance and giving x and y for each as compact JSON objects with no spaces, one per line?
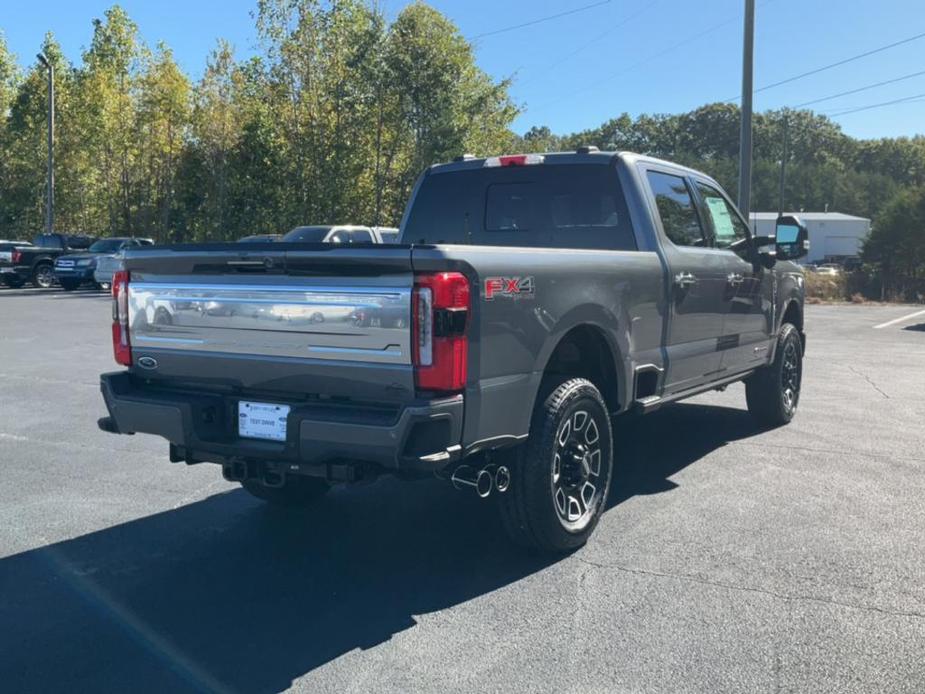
{"x":301,"y":319}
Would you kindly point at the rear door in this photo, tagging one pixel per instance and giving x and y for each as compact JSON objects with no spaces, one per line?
{"x":747,"y":326}
{"x":697,"y":275}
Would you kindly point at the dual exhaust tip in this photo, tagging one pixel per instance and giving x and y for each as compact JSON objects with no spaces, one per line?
{"x":484,"y":481}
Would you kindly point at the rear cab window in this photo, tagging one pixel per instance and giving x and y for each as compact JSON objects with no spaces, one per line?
{"x":47,"y":241}
{"x":579,"y":206}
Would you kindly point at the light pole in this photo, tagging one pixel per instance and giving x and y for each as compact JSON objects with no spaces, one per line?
{"x":783,"y":165}
{"x":50,"y":204}
{"x":745,"y":140}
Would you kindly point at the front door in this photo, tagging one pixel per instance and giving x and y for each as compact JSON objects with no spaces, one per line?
{"x":697,"y":294}
{"x":747,"y":326}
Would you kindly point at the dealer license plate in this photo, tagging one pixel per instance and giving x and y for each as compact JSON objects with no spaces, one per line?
{"x":262,"y":420}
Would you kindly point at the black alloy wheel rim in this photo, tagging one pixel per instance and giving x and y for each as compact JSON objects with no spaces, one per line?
{"x":577,"y":483}
{"x":790,"y":376}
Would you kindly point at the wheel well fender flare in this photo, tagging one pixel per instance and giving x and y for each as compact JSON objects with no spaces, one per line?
{"x":605,"y":325}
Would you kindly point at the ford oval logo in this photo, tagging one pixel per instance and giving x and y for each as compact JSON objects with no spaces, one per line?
{"x":147,"y":362}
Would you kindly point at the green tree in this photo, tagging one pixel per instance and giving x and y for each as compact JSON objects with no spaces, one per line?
{"x":440,"y":104}
{"x":9,"y":78}
{"x":107,"y":105}
{"x":896,"y":246}
{"x":22,"y":201}
{"x":163,"y":122}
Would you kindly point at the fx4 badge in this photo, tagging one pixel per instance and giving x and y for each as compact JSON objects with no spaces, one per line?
{"x":509,"y":287}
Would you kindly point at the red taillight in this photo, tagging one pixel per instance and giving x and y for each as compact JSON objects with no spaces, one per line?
{"x":16,"y":256}
{"x":440,"y":347}
{"x":121,"y":348}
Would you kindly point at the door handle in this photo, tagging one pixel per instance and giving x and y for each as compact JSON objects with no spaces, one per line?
{"x":735,"y":279}
{"x":685,"y":280}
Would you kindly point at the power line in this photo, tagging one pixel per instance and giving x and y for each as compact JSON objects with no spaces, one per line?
{"x":836,"y":114}
{"x":860,"y":89}
{"x":669,"y":49}
{"x":626,"y":20}
{"x":540,"y":20}
{"x":851,"y":59}
{"x":638,"y":63}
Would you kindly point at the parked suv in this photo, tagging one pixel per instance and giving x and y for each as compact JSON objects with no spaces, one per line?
{"x":540,"y":295}
{"x":75,"y":269}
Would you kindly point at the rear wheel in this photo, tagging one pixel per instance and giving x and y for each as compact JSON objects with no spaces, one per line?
{"x":773,"y":393}
{"x":297,"y":492}
{"x":43,"y":276}
{"x":561,"y":476}
{"x":69,"y":285}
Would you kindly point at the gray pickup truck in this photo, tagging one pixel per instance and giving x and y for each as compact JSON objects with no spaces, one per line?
{"x":531,"y":299}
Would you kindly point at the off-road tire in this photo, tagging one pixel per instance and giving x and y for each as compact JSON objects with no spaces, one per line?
{"x":773,"y":392}
{"x":298,"y":492}
{"x":531,"y":509}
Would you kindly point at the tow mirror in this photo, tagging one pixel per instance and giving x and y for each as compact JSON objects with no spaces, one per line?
{"x":791,"y":238}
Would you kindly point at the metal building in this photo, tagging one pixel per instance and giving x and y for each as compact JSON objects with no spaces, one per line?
{"x":833,"y":236}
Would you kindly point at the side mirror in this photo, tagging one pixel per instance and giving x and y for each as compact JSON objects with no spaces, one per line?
{"x":791,"y":238}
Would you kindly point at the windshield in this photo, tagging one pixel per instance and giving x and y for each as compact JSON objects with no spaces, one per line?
{"x":307,"y":234}
{"x":106,"y":246}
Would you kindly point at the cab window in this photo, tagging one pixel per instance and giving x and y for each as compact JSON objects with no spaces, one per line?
{"x":360,"y":236}
{"x":676,"y":209}
{"x":725,"y":222}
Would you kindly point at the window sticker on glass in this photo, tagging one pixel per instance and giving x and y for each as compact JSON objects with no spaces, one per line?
{"x":722,"y":221}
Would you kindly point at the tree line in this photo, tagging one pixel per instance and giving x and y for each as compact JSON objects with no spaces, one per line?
{"x":336,"y":116}
{"x":331,"y":122}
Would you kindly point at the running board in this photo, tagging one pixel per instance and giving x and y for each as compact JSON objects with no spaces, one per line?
{"x":653,"y":402}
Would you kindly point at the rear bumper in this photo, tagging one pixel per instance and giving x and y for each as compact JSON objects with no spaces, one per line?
{"x":420,"y":436}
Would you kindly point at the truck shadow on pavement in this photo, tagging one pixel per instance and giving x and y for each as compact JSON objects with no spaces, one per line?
{"x":223,"y":594}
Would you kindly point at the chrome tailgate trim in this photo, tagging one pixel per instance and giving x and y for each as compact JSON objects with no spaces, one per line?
{"x":368,"y":323}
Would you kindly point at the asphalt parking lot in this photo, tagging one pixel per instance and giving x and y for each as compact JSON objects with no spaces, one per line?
{"x":731,"y":559}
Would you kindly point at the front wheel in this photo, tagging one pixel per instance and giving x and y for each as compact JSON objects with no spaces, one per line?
{"x":69,"y":285}
{"x":297,"y":492}
{"x":561,"y":476}
{"x":773,"y":392}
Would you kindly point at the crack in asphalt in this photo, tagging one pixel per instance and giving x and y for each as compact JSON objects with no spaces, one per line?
{"x":752,"y":589}
{"x":869,"y":380}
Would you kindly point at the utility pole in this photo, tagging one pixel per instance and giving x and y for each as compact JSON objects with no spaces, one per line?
{"x":50,"y":202}
{"x":745,"y":140}
{"x":783,"y":165}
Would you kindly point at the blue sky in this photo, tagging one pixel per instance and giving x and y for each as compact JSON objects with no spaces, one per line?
{"x":574,"y":72}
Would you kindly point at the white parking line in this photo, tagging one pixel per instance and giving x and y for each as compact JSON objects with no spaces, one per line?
{"x":899,"y":320}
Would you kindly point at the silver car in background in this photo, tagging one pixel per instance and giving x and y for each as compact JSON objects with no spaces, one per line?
{"x":341,"y":233}
{"x":107,"y":265}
